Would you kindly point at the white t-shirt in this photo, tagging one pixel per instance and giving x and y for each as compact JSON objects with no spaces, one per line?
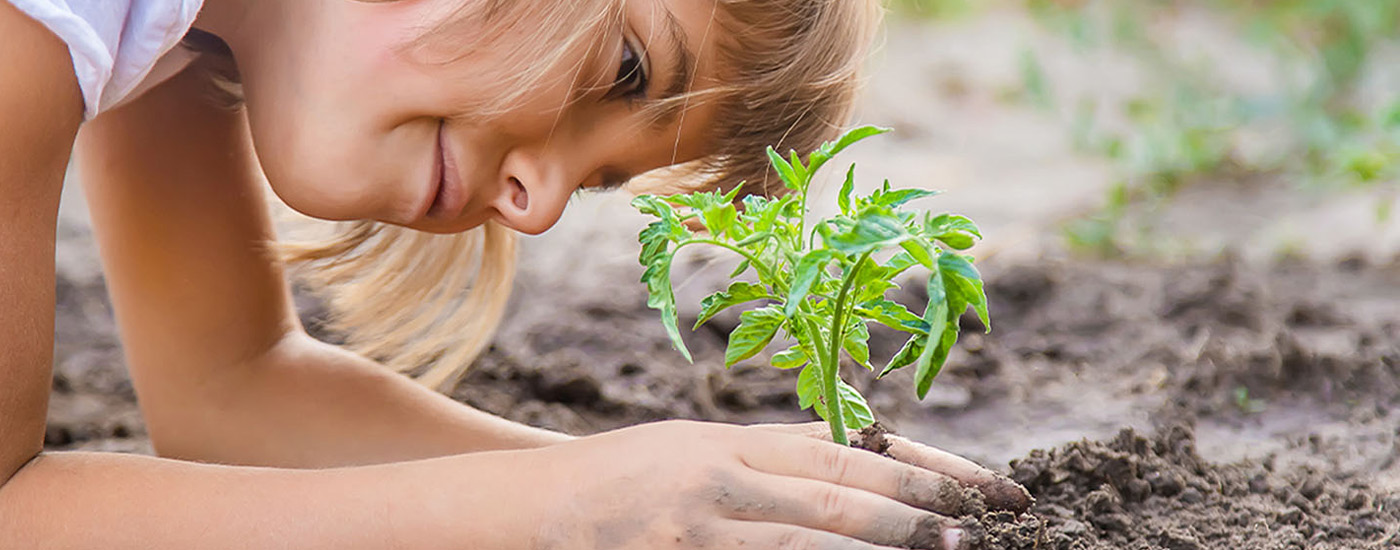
{"x":117,"y":44}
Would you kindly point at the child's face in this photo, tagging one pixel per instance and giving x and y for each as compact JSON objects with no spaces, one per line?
{"x":356,"y":124}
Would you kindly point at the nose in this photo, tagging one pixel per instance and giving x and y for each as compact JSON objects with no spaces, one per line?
{"x":531,"y":196}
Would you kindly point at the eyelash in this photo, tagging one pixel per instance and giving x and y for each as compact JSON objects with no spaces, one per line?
{"x":631,"y":82}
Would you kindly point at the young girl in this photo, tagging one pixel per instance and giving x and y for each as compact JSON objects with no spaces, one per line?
{"x":470,"y":118}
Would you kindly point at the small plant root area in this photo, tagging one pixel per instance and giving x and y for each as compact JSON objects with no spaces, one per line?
{"x":1215,"y":406}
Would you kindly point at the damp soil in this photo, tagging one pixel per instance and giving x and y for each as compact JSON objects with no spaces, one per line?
{"x":1208,"y":406}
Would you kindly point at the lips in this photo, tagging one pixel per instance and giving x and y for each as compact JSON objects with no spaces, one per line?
{"x":450,"y":198}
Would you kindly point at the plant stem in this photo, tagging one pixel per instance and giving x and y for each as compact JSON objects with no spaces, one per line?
{"x":757,"y":263}
{"x":835,"y":419}
{"x":832,"y":368}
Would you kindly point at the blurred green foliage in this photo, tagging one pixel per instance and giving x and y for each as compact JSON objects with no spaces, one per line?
{"x":1324,"y":128}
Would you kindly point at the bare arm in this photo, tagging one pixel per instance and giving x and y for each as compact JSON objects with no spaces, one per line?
{"x":91,"y":501}
{"x":40,"y":108}
{"x":224,"y":371}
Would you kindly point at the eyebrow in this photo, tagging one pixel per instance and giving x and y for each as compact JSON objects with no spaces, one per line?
{"x":682,"y":72}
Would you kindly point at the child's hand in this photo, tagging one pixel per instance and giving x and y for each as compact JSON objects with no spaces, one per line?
{"x":1000,"y":491}
{"x":681,"y":485}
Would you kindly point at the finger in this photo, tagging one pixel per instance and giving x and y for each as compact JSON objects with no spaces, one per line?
{"x":775,"y":536}
{"x":1000,"y":491}
{"x":818,"y":430}
{"x":833,"y":509}
{"x":796,"y":456}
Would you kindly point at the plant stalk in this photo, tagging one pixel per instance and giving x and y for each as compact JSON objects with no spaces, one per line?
{"x":834,"y":418}
{"x":831,"y":371}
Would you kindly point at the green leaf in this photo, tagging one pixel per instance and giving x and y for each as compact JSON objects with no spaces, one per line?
{"x":854,"y":409}
{"x":809,"y":387}
{"x":798,"y":167}
{"x":754,"y":239}
{"x":844,"y":198}
{"x":898,"y":197}
{"x":809,"y":269}
{"x":719,"y":219}
{"x":898,"y":264}
{"x":833,"y":148}
{"x":656,"y":241}
{"x":919,"y":251}
{"x":907,"y":355}
{"x":660,"y":297}
{"x":652,"y":205}
{"x":936,"y":315}
{"x":785,"y":171}
{"x":872,"y":230}
{"x":923,"y":378}
{"x":957,"y":232}
{"x":738,"y":293}
{"x":743,"y":266}
{"x":959,"y":269}
{"x":790,"y":358}
{"x":893,"y":315}
{"x":756,"y":329}
{"x":856,"y":342}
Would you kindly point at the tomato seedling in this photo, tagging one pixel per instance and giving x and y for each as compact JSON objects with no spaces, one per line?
{"x":821,"y":285}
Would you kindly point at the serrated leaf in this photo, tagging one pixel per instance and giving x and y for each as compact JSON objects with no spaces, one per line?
{"x":898,"y":264}
{"x":833,"y":148}
{"x":797,"y":166}
{"x":871,"y":230}
{"x":957,"y":232}
{"x":958,"y":268}
{"x":854,"y":408}
{"x":756,"y":329}
{"x":923,"y":378}
{"x":655,"y":240}
{"x":738,"y":293}
{"x":809,"y":269}
{"x":856,"y":342}
{"x":790,"y":358}
{"x":651,"y":205}
{"x":785,"y":171}
{"x":893,"y":315}
{"x":899,"y":197}
{"x":843,"y":199}
{"x":661,"y":298}
{"x":919,"y":251}
{"x":719,"y":219}
{"x":907,"y":355}
{"x":936,"y":315}
{"x":809,"y":387}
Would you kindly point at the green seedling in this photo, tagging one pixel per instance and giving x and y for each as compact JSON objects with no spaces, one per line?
{"x":821,"y":285}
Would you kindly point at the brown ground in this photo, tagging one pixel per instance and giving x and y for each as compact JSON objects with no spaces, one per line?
{"x":1271,"y":393}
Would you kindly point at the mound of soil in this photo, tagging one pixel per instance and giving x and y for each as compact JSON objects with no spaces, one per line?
{"x":1135,"y":492}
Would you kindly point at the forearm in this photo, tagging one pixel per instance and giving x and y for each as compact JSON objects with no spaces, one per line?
{"x":73,"y":500}
{"x":311,"y":405}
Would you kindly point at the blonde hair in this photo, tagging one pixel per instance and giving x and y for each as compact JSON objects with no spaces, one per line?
{"x":431,"y":303}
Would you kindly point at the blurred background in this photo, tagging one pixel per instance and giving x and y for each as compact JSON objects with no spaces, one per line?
{"x":1190,"y":210}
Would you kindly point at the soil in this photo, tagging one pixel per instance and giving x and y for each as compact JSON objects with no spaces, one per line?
{"x":1271,"y":395}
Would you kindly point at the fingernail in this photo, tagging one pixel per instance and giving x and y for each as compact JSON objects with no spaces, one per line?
{"x":952,"y":538}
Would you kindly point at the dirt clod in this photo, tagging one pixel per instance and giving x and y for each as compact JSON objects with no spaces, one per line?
{"x":1101,"y":495}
